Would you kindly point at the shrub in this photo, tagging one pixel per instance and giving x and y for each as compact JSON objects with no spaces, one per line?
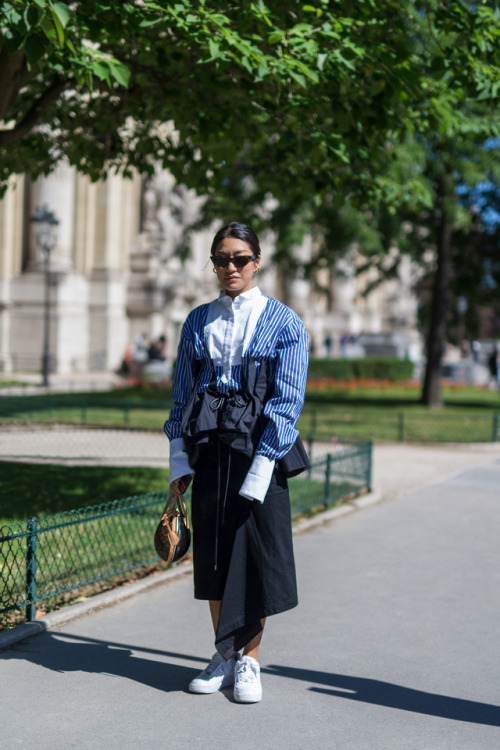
{"x":368,"y":368}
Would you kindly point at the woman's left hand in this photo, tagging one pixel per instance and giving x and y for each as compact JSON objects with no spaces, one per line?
{"x":179,"y":486}
{"x":175,"y":486}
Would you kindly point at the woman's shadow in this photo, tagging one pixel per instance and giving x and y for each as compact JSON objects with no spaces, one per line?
{"x":388,"y":694}
{"x":62,"y":652}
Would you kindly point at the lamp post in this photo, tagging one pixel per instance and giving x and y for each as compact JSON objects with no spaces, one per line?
{"x":45,"y":223}
{"x":462,"y":307}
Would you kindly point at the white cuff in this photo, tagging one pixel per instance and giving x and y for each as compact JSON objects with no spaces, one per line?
{"x":179,"y":464}
{"x":257,"y":480}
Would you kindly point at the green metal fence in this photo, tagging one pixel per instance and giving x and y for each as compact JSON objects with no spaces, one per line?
{"x":96,"y":409}
{"x":43,"y":558}
{"x":469,"y":427}
{"x":114,"y":411}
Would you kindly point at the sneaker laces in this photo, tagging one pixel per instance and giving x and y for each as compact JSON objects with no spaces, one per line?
{"x":245,"y":672}
{"x":212,"y":665}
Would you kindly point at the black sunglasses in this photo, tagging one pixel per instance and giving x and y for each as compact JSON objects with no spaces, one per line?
{"x":239,"y":261}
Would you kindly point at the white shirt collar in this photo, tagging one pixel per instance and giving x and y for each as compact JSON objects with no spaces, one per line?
{"x":253,"y":294}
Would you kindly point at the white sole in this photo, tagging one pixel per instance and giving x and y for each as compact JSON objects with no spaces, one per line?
{"x":248,"y":700}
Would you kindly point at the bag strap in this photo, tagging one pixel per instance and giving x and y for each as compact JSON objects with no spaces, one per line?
{"x":176,"y":499}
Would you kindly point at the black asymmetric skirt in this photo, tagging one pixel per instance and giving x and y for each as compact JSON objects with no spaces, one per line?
{"x":242,"y":549}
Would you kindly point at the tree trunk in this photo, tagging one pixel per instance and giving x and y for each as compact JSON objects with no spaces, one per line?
{"x":431,"y":392}
{"x":332,"y":280}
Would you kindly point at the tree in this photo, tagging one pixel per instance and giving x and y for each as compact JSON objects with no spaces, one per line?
{"x":306,"y":103}
{"x":455,"y":58}
{"x":315,"y":90}
{"x":475,"y":265}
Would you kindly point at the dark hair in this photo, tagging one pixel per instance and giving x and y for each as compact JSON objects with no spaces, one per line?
{"x":241,"y":232}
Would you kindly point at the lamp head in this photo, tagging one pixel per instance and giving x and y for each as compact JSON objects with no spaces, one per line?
{"x":45,"y":222}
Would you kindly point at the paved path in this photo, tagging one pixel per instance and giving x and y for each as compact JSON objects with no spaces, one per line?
{"x":75,"y":446}
{"x":394,"y":645}
{"x":398,"y":468}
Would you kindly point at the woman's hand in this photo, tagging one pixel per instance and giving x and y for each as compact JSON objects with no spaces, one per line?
{"x":174,"y":486}
{"x":180,"y":485}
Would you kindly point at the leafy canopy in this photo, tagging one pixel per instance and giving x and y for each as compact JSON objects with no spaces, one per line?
{"x":312,"y":93}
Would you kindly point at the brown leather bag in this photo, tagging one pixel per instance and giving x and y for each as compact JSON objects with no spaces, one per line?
{"x":172,"y":536}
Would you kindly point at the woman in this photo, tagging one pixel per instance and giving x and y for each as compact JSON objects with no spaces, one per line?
{"x":238,"y":391}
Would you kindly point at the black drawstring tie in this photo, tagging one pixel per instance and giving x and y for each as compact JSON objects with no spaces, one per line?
{"x":239,"y":399}
{"x":216,"y":403}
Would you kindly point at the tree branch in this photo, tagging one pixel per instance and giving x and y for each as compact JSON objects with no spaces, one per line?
{"x":32,"y":116}
{"x":14,"y":74}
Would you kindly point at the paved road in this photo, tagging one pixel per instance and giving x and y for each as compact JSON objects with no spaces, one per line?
{"x":394,"y":645}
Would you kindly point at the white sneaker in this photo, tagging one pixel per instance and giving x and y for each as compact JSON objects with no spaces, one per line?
{"x":218,"y":674}
{"x":247,"y":685}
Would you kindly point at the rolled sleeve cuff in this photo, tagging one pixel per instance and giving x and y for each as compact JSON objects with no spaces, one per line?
{"x":179,"y":464}
{"x":257,"y":480}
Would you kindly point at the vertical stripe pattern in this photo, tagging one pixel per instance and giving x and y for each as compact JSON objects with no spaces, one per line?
{"x":281,"y":338}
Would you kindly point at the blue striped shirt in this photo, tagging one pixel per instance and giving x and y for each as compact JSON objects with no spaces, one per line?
{"x":279,"y":336}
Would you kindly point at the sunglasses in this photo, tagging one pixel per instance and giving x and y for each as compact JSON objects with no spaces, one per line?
{"x":239,"y":261}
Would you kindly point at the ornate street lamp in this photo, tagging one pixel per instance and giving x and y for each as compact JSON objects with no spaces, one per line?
{"x":45,"y":223}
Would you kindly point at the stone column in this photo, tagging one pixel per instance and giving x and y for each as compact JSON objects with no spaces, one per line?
{"x":11,"y":238}
{"x":300,"y":295}
{"x":113,"y":229}
{"x":68,"y":291}
{"x":57,"y":192}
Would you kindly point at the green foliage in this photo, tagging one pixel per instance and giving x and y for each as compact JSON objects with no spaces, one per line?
{"x":316,"y":90}
{"x":369,"y":368}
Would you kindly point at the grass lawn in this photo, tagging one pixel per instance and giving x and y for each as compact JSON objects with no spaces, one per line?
{"x":28,"y":490}
{"x":394,"y":412}
{"x":39,"y":489}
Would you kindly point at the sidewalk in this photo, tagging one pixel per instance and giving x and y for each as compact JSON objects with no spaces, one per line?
{"x":393,"y":646}
{"x":75,"y":381}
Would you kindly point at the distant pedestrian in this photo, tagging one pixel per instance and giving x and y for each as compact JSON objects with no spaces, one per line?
{"x":328,"y":345}
{"x":238,"y":390}
{"x":344,"y":340}
{"x":157,"y":349}
{"x":493,"y":367}
{"x":476,"y":351}
{"x":141,"y":346}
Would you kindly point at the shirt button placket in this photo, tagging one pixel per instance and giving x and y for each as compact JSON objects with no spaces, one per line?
{"x":228,"y":338}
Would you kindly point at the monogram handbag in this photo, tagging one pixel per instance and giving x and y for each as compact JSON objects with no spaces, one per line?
{"x":173,"y":536}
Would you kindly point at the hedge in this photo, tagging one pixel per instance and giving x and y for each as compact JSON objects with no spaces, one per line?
{"x":368,"y":368}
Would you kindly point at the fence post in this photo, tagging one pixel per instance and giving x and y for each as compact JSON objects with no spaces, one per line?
{"x":126,"y":414}
{"x":84,"y":411}
{"x":494,"y":435}
{"x":31,"y":544}
{"x":50,"y":405}
{"x":328,"y":477}
{"x":370,"y":465}
{"x":401,"y":427}
{"x":312,"y":433}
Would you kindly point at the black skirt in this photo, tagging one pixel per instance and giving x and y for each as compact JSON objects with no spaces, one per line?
{"x":242,"y":549}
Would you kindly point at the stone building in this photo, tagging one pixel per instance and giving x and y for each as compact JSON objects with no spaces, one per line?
{"x":116,"y":274}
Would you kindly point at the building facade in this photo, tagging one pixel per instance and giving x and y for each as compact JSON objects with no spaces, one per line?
{"x":115,"y":274}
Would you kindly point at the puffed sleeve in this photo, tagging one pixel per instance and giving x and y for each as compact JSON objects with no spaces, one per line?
{"x":282,"y":408}
{"x":184,"y":376}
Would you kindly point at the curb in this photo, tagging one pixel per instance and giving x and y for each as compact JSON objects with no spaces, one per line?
{"x":358,"y":503}
{"x":125,"y":591}
{"x":93,"y":604}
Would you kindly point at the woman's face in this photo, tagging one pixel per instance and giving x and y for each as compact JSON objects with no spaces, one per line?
{"x":236,"y":280}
